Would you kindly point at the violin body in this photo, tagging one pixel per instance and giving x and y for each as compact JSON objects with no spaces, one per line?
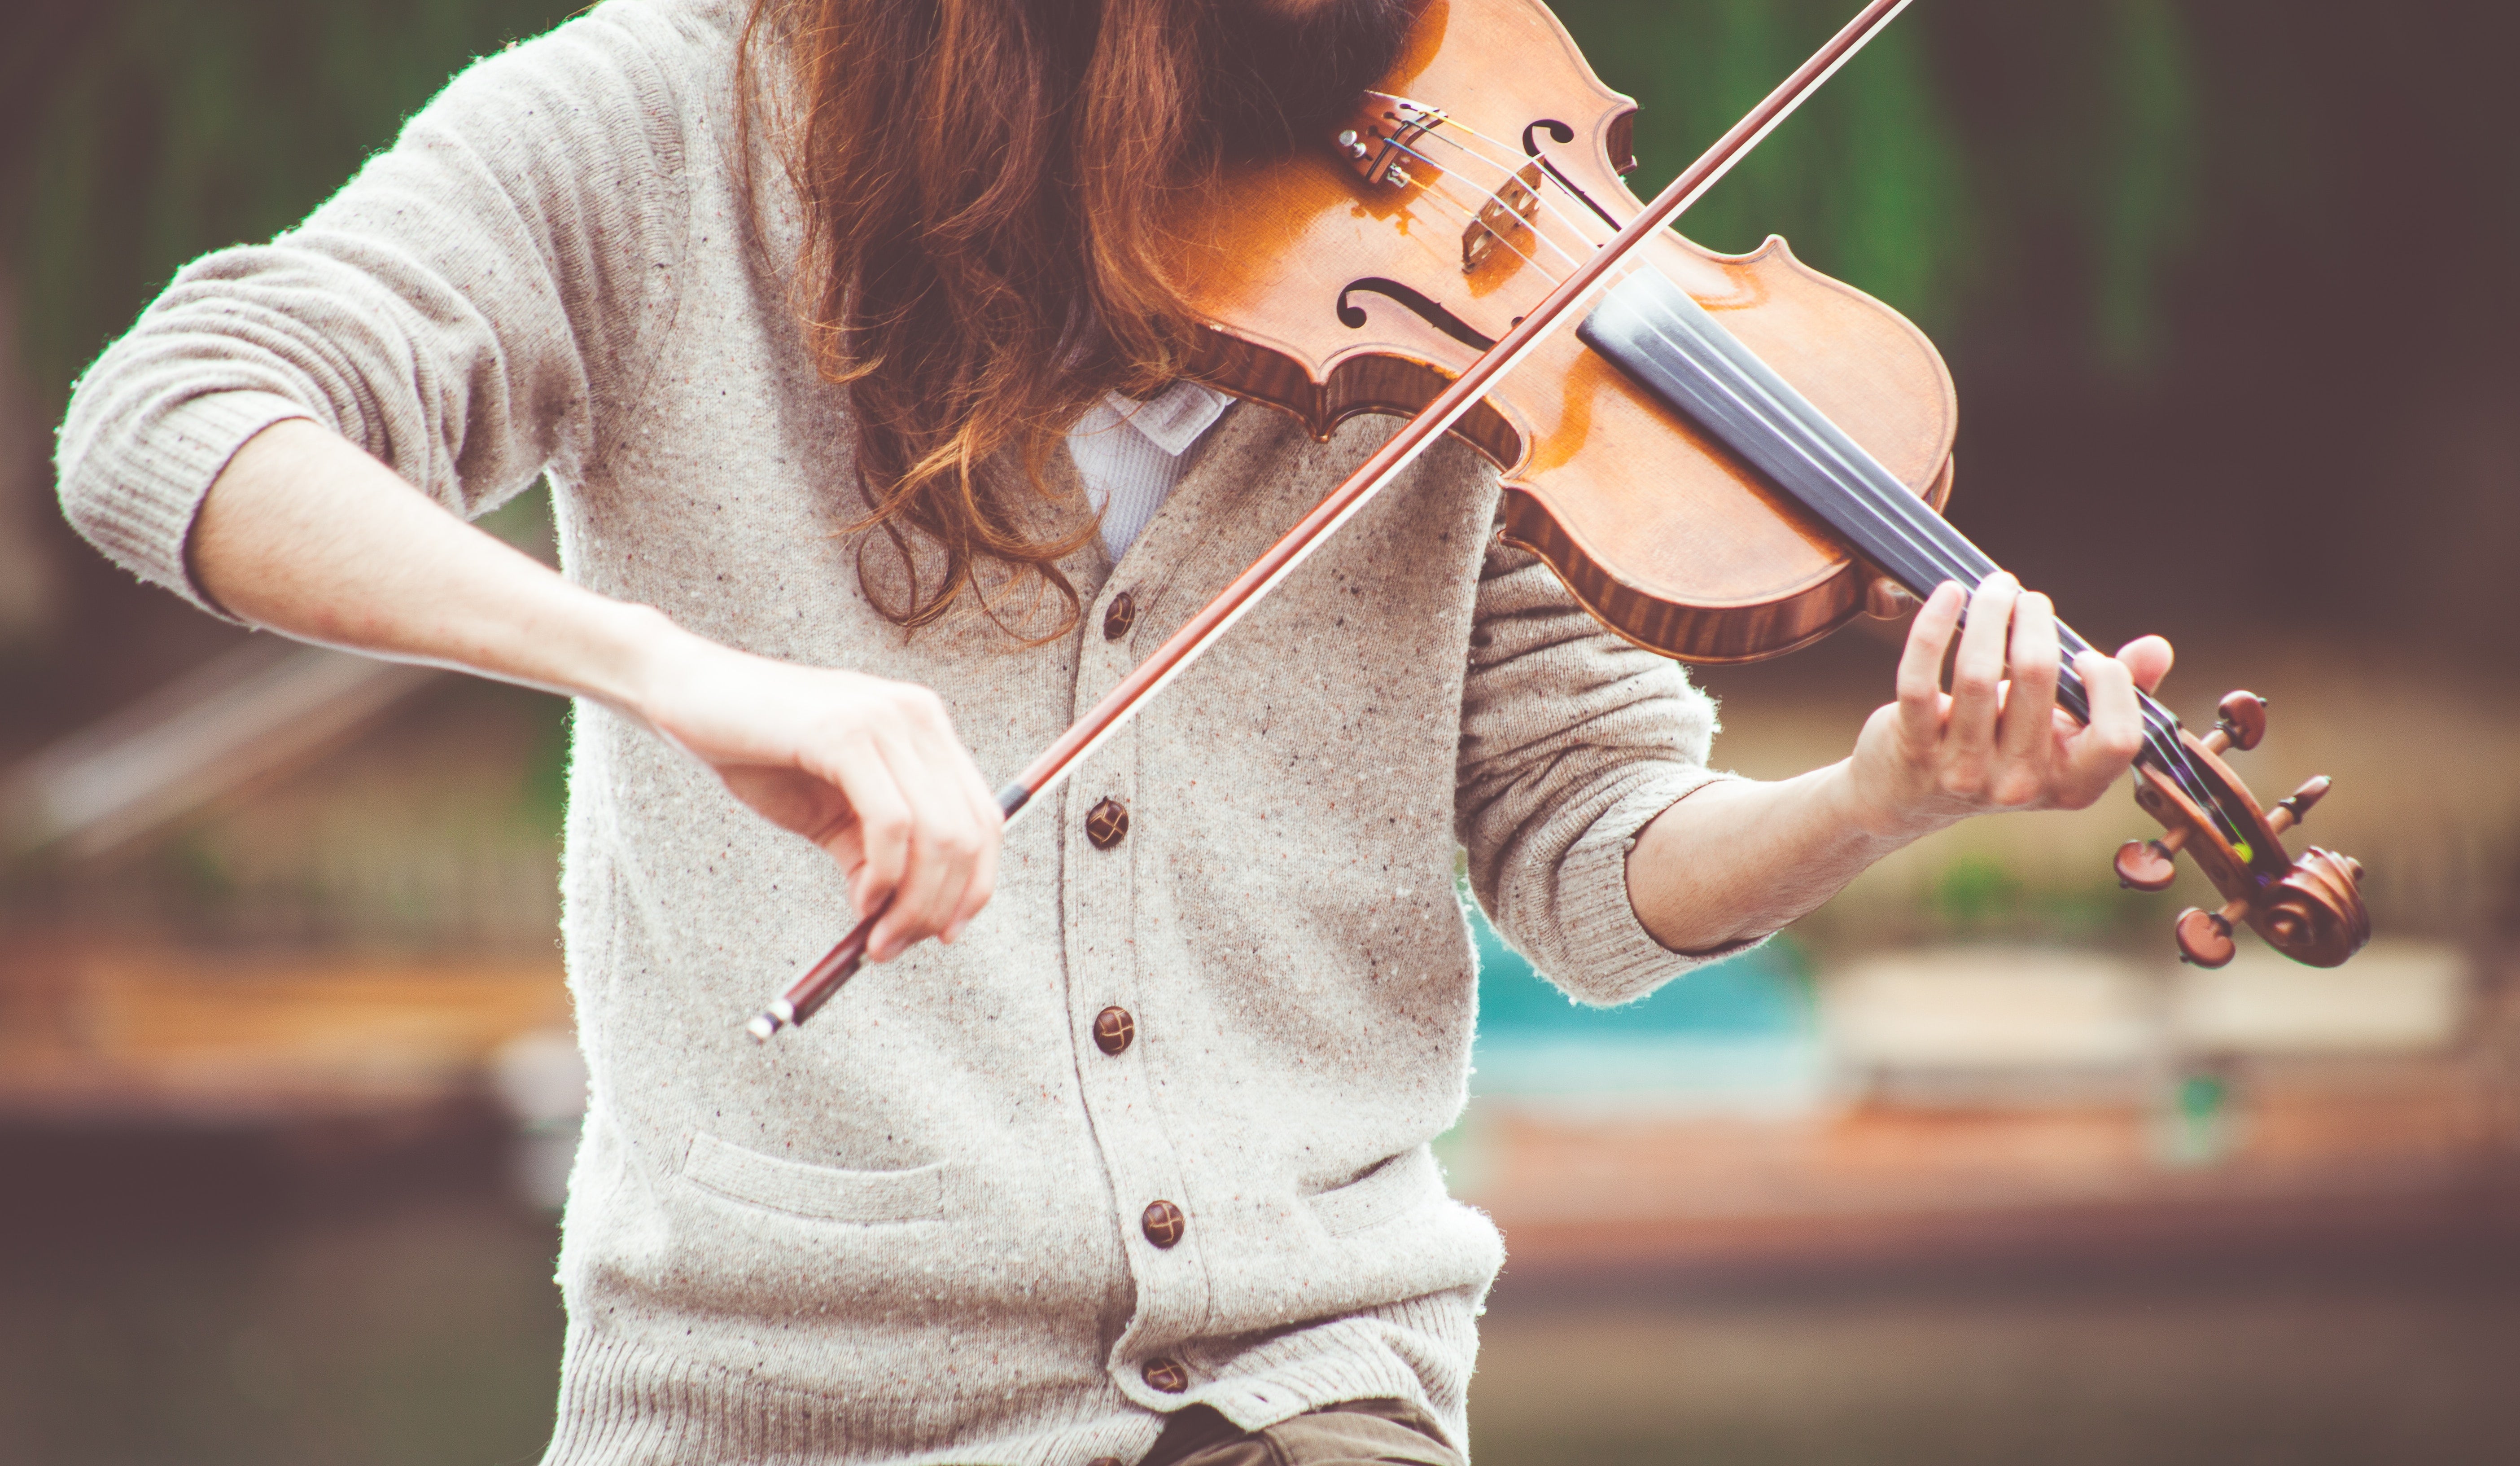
{"x":1366,"y":275}
{"x":1336,"y":285}
{"x":1727,"y":458}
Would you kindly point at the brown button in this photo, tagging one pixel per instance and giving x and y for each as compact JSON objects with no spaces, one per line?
{"x":1105,"y":1461}
{"x":1167,"y":1375}
{"x":1105,"y":823}
{"x":1164,"y":1224}
{"x":1119,"y":616}
{"x":1113,"y":1030}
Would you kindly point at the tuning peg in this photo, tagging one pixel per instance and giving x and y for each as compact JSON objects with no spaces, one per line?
{"x":2205,"y":937}
{"x":2243,"y":721}
{"x":2149,"y":864}
{"x":2294,"y":808}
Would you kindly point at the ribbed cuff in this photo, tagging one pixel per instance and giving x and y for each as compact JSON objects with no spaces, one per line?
{"x":1614,"y":958}
{"x":153,"y":490}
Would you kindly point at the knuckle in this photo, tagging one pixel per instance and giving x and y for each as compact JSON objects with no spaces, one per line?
{"x":2016,"y":791}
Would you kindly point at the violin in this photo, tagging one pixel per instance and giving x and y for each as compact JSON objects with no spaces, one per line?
{"x":1727,"y":458}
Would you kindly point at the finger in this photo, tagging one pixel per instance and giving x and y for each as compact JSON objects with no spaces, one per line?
{"x":984,"y":871}
{"x":944,"y":838}
{"x":1977,"y":682}
{"x":2149,"y":658}
{"x":987,"y":817}
{"x":2108,"y":744}
{"x":977,"y":836}
{"x":969,"y":843}
{"x":876,"y":828}
{"x":1920,"y":666}
{"x":2028,"y":733}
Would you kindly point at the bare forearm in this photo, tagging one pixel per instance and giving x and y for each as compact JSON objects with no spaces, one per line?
{"x":306,"y":534}
{"x":1742,"y":859}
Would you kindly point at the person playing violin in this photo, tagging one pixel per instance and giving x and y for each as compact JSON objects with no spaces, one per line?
{"x":842,"y":333}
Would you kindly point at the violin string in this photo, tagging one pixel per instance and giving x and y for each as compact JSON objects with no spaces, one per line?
{"x":1549,"y":170}
{"x":1503,"y":237}
{"x":1952,"y":554}
{"x":1454,"y":205}
{"x":2160,"y":726}
{"x":1936,"y":541}
{"x":1446,"y":122}
{"x":1929,"y":540}
{"x":1941,"y":545}
{"x":1547,"y":175}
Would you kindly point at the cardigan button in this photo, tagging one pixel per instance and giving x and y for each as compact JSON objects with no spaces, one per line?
{"x":1163,"y":1223}
{"x":1165,"y":1375}
{"x":1115,"y":1030}
{"x":1106,"y":1461}
{"x":1105,"y":823}
{"x":1119,"y":616}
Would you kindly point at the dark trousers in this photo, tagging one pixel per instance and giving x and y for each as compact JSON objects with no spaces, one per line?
{"x":1357,"y":1432}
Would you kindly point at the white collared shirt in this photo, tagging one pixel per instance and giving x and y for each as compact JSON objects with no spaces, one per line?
{"x":1131,"y":453}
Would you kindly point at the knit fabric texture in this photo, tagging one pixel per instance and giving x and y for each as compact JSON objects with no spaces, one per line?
{"x":910,"y":1231}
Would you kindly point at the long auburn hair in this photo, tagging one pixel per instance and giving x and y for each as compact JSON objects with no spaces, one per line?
{"x":985,"y":185}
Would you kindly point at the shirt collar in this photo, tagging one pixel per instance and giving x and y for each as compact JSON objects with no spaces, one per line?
{"x":1172,"y":419}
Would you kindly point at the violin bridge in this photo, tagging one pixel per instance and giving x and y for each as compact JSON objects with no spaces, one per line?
{"x":1383,"y":141}
{"x":1509,"y":212}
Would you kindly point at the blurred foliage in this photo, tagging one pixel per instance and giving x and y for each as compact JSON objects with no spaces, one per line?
{"x":1977,"y":897}
{"x":1868,"y":179}
{"x":2227,"y":287}
{"x":149,"y":132}
{"x":1877,"y":181}
{"x":1983,"y":160}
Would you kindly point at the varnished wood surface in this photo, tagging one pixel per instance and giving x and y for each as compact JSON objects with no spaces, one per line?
{"x":1665,"y":537}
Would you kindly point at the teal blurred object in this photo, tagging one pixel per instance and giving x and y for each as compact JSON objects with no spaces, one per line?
{"x":1741,"y":1035}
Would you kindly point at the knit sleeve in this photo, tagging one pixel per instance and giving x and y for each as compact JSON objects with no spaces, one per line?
{"x":462,"y":310}
{"x":1573,"y":741}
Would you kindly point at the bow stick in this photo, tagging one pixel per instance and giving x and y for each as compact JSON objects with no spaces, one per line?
{"x":815,"y":986}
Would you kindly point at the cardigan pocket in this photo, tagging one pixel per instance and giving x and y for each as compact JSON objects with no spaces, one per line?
{"x":1387,"y":1190}
{"x":823,"y":1193}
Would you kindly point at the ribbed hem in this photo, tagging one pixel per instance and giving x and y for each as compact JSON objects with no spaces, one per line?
{"x":1615,"y":959}
{"x":143,"y":499}
{"x":1419,"y":1351}
{"x":622,"y":1403}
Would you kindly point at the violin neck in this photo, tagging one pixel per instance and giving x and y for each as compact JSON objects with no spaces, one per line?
{"x":1662,"y":338}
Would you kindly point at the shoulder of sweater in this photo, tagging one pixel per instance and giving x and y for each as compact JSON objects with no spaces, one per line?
{"x":679,"y":42}
{"x":648,"y":83}
{"x":709,"y":25}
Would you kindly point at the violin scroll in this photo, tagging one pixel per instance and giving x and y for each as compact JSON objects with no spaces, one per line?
{"x":2309,"y":908}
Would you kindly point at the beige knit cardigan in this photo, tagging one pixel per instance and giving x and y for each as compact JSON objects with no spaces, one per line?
{"x":910,"y":1231}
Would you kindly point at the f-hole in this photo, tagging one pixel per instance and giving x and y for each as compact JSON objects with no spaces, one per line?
{"x":1559,"y":132}
{"x":1352,"y":315}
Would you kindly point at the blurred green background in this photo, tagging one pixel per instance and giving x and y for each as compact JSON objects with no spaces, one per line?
{"x":2227,"y":288}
